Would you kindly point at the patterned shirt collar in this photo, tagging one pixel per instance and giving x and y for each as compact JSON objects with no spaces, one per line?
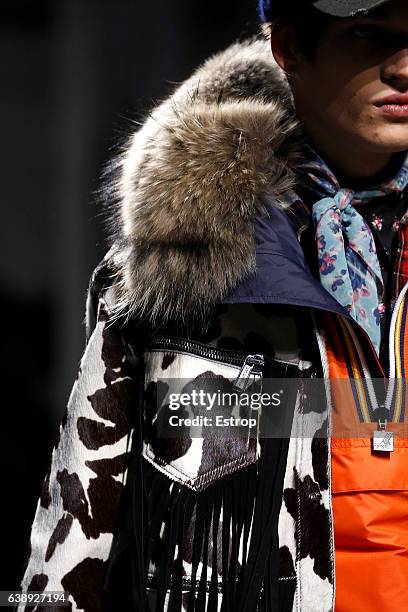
{"x":299,"y":210}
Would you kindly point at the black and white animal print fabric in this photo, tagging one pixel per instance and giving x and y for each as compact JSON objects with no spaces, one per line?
{"x":77,"y":513}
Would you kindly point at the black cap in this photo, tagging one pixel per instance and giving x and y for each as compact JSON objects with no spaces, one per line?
{"x":336,"y":8}
{"x":347,"y":8}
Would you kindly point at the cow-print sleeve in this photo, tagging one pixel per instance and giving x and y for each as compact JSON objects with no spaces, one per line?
{"x":78,"y":513}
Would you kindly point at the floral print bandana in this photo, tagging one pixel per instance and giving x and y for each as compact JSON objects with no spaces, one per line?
{"x":348,"y":263}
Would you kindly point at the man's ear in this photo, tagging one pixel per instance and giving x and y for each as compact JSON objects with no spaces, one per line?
{"x":285,"y":46}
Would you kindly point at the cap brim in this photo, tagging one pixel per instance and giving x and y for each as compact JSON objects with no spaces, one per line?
{"x":347,"y":8}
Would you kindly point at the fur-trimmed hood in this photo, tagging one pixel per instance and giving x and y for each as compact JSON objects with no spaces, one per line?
{"x":190,"y":183}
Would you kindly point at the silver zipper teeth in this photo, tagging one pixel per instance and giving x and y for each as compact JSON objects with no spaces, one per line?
{"x":367,"y":376}
{"x":232,"y":357}
{"x":391,"y":355}
{"x":391,"y":373}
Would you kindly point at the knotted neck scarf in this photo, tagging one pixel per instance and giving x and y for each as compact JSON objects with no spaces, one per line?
{"x":348,"y":263}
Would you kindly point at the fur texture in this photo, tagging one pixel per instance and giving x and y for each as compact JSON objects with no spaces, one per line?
{"x":189,"y":184}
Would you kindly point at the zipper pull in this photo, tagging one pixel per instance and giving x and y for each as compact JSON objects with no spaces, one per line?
{"x":383,"y":440}
{"x":242,"y":381}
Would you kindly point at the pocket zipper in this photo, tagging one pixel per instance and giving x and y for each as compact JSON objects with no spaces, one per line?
{"x":252,"y":364}
{"x":248,"y":363}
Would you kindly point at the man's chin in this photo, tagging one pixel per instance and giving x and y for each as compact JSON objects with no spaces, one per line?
{"x":392,"y":139}
{"x":386,"y":147}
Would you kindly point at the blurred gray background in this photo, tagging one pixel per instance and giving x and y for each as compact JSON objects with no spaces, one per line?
{"x":74,"y":73}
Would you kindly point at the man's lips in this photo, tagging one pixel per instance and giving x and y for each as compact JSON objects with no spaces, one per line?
{"x":395,"y":104}
{"x":397,"y":98}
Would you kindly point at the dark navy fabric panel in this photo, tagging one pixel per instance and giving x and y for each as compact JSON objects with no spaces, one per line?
{"x":282,"y":275}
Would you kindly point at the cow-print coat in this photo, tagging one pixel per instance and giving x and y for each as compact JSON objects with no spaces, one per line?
{"x":204,"y":270}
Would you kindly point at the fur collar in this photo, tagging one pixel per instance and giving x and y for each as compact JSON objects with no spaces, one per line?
{"x":189,"y":184}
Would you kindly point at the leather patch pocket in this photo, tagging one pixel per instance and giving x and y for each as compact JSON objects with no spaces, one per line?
{"x":200,"y":420}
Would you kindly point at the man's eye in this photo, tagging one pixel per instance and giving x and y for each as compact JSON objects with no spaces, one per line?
{"x":364,"y":31}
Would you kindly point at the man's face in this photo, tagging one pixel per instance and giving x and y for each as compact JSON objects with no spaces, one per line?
{"x":356,"y":87}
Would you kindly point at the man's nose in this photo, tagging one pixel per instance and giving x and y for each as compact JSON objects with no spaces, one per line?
{"x":395,"y":70}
